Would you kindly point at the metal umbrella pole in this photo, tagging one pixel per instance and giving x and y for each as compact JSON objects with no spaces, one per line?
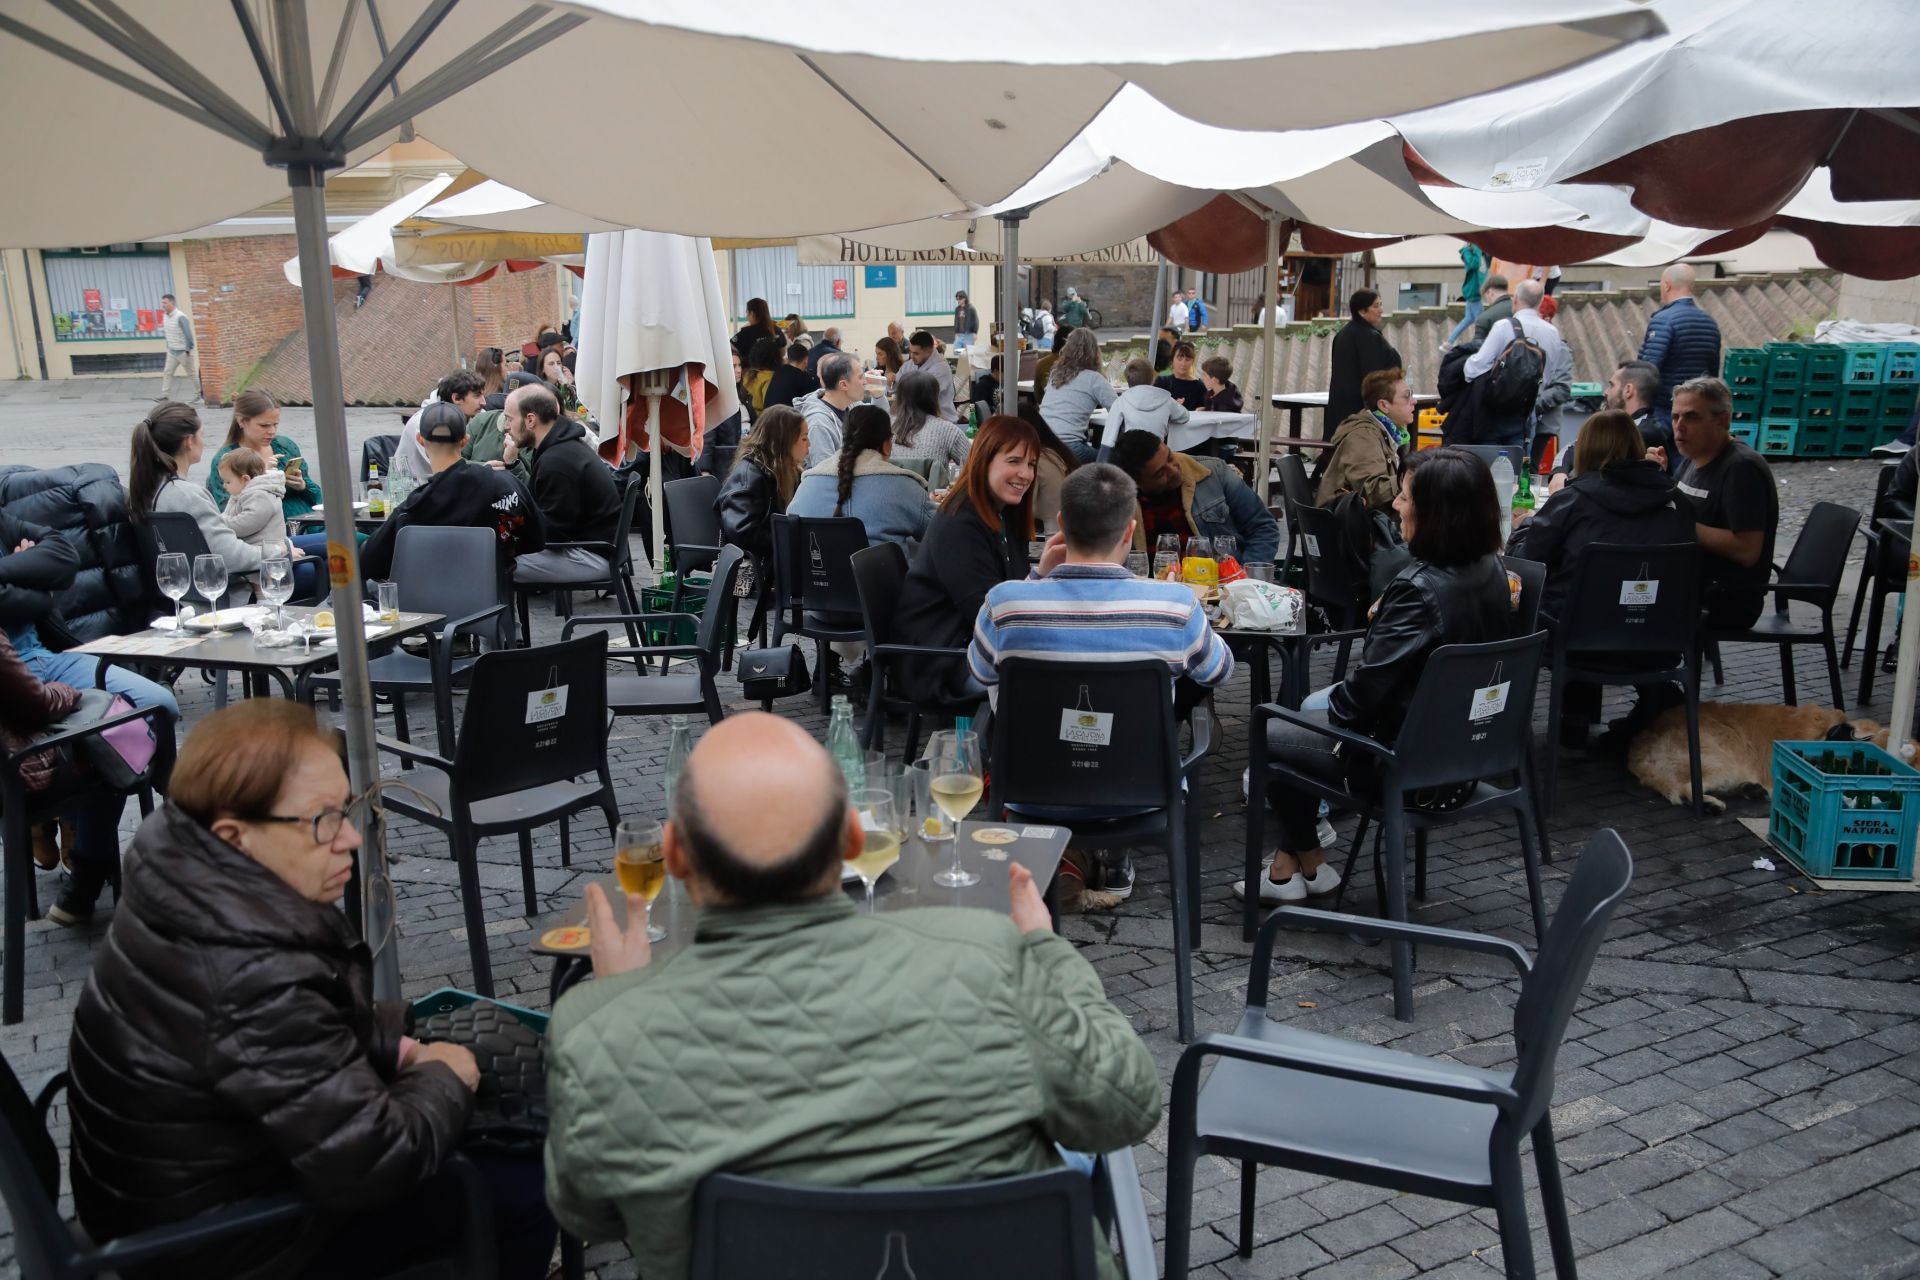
{"x":1010,"y":309}
{"x":1270,"y":313}
{"x":656,"y":385}
{"x":1158,"y":318}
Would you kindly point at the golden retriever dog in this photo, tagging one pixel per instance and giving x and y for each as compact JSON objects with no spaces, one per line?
{"x":1736,"y":747}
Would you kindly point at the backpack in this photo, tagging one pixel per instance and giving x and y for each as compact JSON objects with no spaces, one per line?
{"x":1513,"y":384}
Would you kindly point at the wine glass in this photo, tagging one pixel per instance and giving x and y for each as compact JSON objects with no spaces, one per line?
{"x":1166,"y":551}
{"x":276,"y":585}
{"x":958,"y":778}
{"x":640,"y":863}
{"x":210,"y":579}
{"x":1226,"y":547}
{"x":175,"y":578}
{"x":1138,"y":565}
{"x":881,"y":830}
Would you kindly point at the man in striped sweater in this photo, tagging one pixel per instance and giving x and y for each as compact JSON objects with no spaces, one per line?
{"x":1083,"y":605}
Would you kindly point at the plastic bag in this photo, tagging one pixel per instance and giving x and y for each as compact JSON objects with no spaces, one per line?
{"x":1252,"y":605}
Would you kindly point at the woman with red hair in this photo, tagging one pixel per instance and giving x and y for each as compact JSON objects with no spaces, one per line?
{"x":976,"y":540}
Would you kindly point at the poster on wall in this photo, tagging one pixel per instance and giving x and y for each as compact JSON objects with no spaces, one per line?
{"x":91,"y":297}
{"x":112,"y":319}
{"x":148,"y":320}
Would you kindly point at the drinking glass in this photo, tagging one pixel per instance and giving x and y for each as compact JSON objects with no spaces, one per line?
{"x":388,"y":594}
{"x":956,"y":777}
{"x":639,"y":862}
{"x":1166,"y":551}
{"x":1260,"y":572}
{"x":1139,"y":565}
{"x":175,"y":577}
{"x":210,"y":579}
{"x":1226,"y":547}
{"x":881,"y":829}
{"x":276,"y":585}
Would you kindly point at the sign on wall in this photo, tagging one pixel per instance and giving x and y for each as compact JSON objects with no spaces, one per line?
{"x":882,"y":277}
{"x":828,"y":250}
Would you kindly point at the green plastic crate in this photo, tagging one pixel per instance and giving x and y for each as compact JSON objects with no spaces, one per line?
{"x":1860,"y":404}
{"x":1901,"y":362}
{"x":1822,"y":403}
{"x":1825,"y":366}
{"x":447,"y":999}
{"x":1897,"y":400}
{"x":1786,"y":365}
{"x":1865,"y":363}
{"x":1779,"y":436}
{"x":1854,"y":439}
{"x":1780,"y":402}
{"x":1844,"y":810}
{"x":660,"y":600}
{"x":1745,"y":367}
{"x":1814,"y":441}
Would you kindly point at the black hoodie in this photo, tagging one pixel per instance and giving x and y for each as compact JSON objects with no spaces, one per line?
{"x":573,"y":488}
{"x":465,"y":495}
{"x":1631,"y":503}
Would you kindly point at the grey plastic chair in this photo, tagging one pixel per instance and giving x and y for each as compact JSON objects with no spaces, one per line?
{"x":1296,"y":1099}
{"x":1445,"y":740}
{"x":1810,"y":576}
{"x":647,"y":693}
{"x":880,"y":573}
{"x":813,"y":565}
{"x":617,"y":582}
{"x":1039,"y":1224}
{"x":693,"y":528}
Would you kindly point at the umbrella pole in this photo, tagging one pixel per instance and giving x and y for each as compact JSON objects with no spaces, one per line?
{"x":1158,"y":318}
{"x":1010,"y":310}
{"x":377,"y":925}
{"x":655,"y":509}
{"x":1263,"y":484}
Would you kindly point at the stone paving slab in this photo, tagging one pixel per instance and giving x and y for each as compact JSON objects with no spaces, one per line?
{"x":1735,"y":1097}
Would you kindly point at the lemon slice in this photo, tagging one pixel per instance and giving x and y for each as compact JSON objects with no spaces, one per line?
{"x":930,"y":827}
{"x":323,"y":618}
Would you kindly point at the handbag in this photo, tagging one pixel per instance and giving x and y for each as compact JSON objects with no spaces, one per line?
{"x":120,"y":756}
{"x":766,"y":674}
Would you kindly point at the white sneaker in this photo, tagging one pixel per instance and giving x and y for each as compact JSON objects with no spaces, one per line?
{"x":1891,"y":449}
{"x":1321,"y":882}
{"x":1294,"y":889}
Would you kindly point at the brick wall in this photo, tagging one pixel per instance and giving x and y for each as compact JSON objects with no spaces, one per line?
{"x":252,"y":329}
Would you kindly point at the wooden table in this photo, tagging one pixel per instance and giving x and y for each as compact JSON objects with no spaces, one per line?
{"x":237,"y":650}
{"x":564,"y":938}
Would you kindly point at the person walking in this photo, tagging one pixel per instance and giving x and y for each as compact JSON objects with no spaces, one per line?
{"x":182,"y":362}
{"x":1073,"y":312}
{"x":1472,"y":283}
{"x":1682,"y":342}
{"x":966,"y":321}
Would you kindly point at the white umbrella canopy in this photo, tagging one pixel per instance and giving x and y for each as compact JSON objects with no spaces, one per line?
{"x":367,"y":245}
{"x":495,"y":206}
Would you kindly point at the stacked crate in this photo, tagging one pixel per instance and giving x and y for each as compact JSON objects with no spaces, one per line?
{"x":1822,"y":400}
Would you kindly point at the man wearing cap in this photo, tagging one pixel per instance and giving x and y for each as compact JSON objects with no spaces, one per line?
{"x":1073,"y":311}
{"x":458,"y":494}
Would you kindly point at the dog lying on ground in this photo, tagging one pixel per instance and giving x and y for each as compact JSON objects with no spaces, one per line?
{"x":1736,"y":746}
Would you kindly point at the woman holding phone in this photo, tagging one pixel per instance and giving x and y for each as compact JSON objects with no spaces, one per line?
{"x":256,"y":426}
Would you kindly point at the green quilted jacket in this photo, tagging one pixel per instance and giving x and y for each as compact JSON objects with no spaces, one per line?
{"x":812,"y":1043}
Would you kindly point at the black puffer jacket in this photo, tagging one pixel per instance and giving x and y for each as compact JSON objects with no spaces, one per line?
{"x":1631,"y":504}
{"x":749,"y":500}
{"x":31,"y":580}
{"x":226,"y":1046}
{"x":87,"y":505}
{"x":1424,"y":607}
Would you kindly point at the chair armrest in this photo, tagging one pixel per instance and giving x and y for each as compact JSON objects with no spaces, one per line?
{"x":1116,"y":1191}
{"x":202,"y":1229}
{"x":1359,"y":741}
{"x":452,"y":625}
{"x":1202,"y":742}
{"x":920,"y":650}
{"x":1391,"y":931}
{"x":1429,"y":1080}
{"x":655,"y":651}
{"x":407,"y":751}
{"x":13,"y":758}
{"x":597,"y":619}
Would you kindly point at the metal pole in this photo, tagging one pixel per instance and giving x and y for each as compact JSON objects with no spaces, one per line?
{"x":656,"y":504}
{"x":1270,"y":313}
{"x":378,"y":926}
{"x":1010,"y":310}
{"x":1158,"y":317}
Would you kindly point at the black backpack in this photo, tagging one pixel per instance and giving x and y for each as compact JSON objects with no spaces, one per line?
{"x":1513,"y":384}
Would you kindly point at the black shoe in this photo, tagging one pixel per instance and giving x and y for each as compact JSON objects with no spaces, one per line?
{"x":74,"y":907}
{"x":1117,"y":881}
{"x":1890,"y":660}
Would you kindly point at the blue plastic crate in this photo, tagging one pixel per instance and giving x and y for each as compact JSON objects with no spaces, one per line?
{"x":1901,"y":363}
{"x":1780,"y":436}
{"x":1844,"y":810}
{"x":1865,"y":363}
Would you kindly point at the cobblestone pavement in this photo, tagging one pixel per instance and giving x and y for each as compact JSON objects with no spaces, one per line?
{"x":1735,"y":1097}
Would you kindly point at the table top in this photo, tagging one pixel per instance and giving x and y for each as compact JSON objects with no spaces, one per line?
{"x":1318,"y":399}
{"x":909,"y":883}
{"x":1203,"y":425}
{"x":237,"y":650}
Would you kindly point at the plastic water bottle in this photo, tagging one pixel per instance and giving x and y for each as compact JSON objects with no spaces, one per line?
{"x":679,"y":747}
{"x":843,"y":745}
{"x":400,"y":481}
{"x":1503,"y":481}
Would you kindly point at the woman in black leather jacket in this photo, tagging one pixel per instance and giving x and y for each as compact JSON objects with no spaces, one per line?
{"x":765,"y":473}
{"x":1455,"y":591}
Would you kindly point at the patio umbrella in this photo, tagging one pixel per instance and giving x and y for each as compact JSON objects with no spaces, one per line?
{"x":495,"y":206}
{"x":652,"y":330}
{"x":170,"y":111}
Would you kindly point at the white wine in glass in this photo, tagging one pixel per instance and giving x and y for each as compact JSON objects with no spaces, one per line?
{"x":175,"y":578}
{"x":881,"y":846}
{"x":639,"y":861}
{"x":958,"y":778}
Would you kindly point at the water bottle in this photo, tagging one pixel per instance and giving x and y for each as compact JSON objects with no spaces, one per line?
{"x":843,"y":745}
{"x":400,"y":482}
{"x":679,"y":747}
{"x":1503,"y":481}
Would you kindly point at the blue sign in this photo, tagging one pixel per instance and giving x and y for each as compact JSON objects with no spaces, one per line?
{"x":882,"y":277}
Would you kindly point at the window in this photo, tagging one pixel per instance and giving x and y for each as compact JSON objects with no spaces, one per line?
{"x":1418,"y":295}
{"x":106,"y":295}
{"x":776,"y":275}
{"x":930,"y":290}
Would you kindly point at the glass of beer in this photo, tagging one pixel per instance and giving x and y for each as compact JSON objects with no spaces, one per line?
{"x":958,"y":776}
{"x":881,"y":829}
{"x":640,"y":863}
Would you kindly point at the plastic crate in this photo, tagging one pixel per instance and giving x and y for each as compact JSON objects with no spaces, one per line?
{"x":1779,"y":436}
{"x":1822,"y":404}
{"x":1888,"y":432}
{"x":1825,"y":366}
{"x":1747,"y":433}
{"x":1865,"y":363}
{"x":1780,"y":402}
{"x":1844,"y":810}
{"x":447,"y":999}
{"x":674,"y":630}
{"x":1786,"y":364}
{"x":1901,"y":363}
{"x":1896,"y":402}
{"x":1814,"y":441}
{"x":1745,"y":367}
{"x":1854,"y":439}
{"x":1860,"y":404}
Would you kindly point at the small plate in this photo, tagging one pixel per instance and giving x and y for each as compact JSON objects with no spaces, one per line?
{"x":222,"y":619}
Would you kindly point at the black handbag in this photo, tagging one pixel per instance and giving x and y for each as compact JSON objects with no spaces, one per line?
{"x":766,"y":674}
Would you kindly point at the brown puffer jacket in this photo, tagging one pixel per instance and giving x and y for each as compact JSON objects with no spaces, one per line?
{"x":227,"y":1046}
{"x":29,"y":707}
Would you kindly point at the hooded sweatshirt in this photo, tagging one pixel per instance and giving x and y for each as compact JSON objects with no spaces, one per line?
{"x":466,"y":495}
{"x":254,"y":512}
{"x":1634,"y":503}
{"x":1151,"y":409}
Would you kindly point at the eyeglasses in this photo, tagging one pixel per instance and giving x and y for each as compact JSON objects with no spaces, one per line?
{"x":325,"y":824}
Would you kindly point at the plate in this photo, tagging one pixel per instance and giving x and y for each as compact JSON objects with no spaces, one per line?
{"x":321,"y":506}
{"x":373,"y":633}
{"x":222,"y":619}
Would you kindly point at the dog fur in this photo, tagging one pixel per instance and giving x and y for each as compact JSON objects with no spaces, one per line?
{"x":1736,"y":747}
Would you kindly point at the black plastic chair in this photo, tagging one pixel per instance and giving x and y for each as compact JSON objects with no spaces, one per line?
{"x":1038,"y":776}
{"x":48,"y":1247}
{"x":1296,"y":1099}
{"x":451,"y":571}
{"x":1449,"y":738}
{"x":378,"y":451}
{"x":1038,"y":1224}
{"x":880,"y":574}
{"x":21,"y":810}
{"x":1296,"y":490}
{"x":665,"y":693}
{"x":1533,"y":587}
{"x":1335,"y":591}
{"x":176,"y":531}
{"x":513,"y":770}
{"x":1811,"y":576}
{"x":694,"y":527}
{"x":813,"y":561}
{"x":1600,"y":635}
{"x":1883,"y":569}
{"x":617,"y":582}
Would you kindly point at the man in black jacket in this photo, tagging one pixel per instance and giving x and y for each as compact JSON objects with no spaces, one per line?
{"x":459,"y":494}
{"x":1358,"y":350}
{"x":572,"y":487}
{"x":792,"y":379}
